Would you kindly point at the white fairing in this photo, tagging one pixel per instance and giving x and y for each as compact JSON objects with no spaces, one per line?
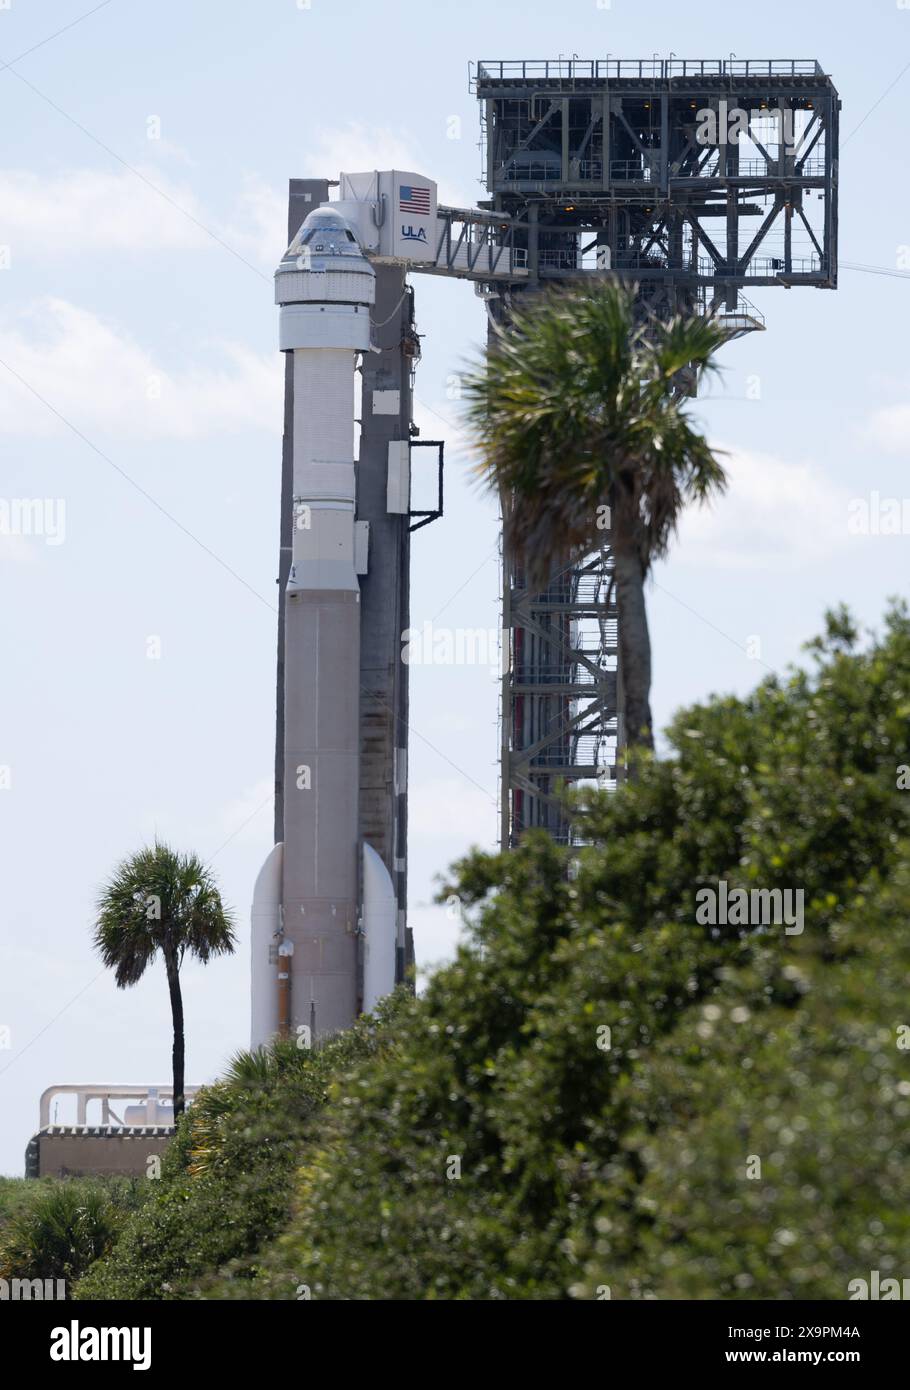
{"x":379,"y":929}
{"x":265,"y":915}
{"x":324,"y":488}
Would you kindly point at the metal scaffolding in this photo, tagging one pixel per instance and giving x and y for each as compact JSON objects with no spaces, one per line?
{"x":690,"y":179}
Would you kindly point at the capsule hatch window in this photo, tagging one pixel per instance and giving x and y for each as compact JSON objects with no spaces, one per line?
{"x":316,"y":231}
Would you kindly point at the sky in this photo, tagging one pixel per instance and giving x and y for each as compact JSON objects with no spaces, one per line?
{"x":143,"y":187}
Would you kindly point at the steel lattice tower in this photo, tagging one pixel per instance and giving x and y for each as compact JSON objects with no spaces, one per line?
{"x":691,"y":180}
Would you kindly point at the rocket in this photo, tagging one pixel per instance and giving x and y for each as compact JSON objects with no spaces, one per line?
{"x":323,"y":917}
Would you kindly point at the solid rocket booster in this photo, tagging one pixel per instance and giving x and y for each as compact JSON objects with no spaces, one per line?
{"x":308,"y":897}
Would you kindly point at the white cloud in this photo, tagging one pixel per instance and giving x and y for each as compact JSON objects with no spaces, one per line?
{"x":145,"y":210}
{"x":889,"y":428}
{"x":258,"y":226}
{"x":84,"y":210}
{"x":168,"y":150}
{"x":775,"y":511}
{"x":100,"y":379}
{"x":356,"y":147}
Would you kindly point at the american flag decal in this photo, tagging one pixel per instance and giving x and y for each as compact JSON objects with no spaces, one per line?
{"x":415,"y":200}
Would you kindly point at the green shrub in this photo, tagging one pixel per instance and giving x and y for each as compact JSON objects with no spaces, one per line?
{"x":498,"y":1066}
{"x":226,"y":1179}
{"x":62,"y":1226}
{"x":579,"y":1099}
{"x":766,"y":1153}
{"x":15,"y":1193}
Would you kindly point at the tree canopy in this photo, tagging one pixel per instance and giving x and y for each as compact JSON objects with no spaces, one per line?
{"x":599,"y":1093}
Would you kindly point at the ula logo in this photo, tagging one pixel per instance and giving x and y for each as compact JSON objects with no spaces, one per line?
{"x":412,"y":234}
{"x":75,"y":1343}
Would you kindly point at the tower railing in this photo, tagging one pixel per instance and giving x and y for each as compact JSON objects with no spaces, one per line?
{"x":595,"y":69}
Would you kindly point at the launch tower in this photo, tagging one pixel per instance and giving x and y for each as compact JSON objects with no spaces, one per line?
{"x":692,"y":180}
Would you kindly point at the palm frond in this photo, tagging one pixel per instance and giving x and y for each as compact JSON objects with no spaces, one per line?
{"x":573,"y":408}
{"x":158,"y":900}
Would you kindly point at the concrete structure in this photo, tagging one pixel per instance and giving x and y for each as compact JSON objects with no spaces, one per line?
{"x":112,"y":1150}
{"x":125,"y":1140}
{"x":155,"y":1103}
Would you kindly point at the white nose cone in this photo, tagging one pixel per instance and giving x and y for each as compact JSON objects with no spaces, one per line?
{"x":326,"y":241}
{"x":325,"y":286}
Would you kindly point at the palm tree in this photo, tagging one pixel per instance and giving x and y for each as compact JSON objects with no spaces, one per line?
{"x":162,"y":901}
{"x":575,"y":410}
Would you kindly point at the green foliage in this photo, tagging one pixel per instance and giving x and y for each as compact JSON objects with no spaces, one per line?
{"x":819,"y":1094}
{"x":58,"y":1228}
{"x":573,"y":407}
{"x":579,"y":1099}
{"x":160,"y":900}
{"x":226,"y":1179}
{"x":15,"y":1193}
{"x":581,"y":1167}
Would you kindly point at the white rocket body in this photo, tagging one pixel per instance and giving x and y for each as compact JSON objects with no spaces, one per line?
{"x":308,"y":904}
